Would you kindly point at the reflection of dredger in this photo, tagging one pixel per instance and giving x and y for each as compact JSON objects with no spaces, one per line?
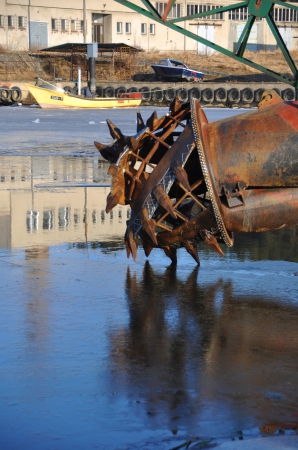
{"x":210,"y":179}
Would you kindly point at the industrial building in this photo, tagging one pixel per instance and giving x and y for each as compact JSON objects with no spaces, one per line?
{"x":36,"y":24}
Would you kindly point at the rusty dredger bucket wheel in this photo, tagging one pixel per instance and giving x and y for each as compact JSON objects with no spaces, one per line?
{"x":189,"y":181}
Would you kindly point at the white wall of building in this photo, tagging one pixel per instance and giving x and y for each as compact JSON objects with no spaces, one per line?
{"x":54,"y":22}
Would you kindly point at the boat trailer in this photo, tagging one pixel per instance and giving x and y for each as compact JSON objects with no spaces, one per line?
{"x":188,"y":181}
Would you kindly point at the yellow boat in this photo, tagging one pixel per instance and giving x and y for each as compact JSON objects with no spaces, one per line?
{"x":56,"y":98}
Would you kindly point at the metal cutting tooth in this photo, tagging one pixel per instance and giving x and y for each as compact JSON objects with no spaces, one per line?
{"x":191,"y":248}
{"x":140,"y":122}
{"x":164,"y":200}
{"x":152,"y":121}
{"x":171,"y":253}
{"x":117,"y":194}
{"x":175,"y":105}
{"x":114,"y":130}
{"x":148,"y":225}
{"x":181,"y":175}
{"x":110,"y":152}
{"x":132,"y":245}
{"x":147,"y":246}
{"x":100,"y":147}
{"x":134,"y":143}
{"x":211,"y":240}
{"x":113,"y":199}
{"x":149,"y":228}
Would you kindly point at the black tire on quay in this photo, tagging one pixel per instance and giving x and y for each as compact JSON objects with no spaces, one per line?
{"x":16,"y":94}
{"x":220,"y":95}
{"x":258,"y":94}
{"x":194,"y":93}
{"x":247,"y":95}
{"x":5,"y":94}
{"x":120,"y":90}
{"x":146,"y":93}
{"x":288,"y":95}
{"x":157,"y":95}
{"x":99,"y":91}
{"x":208,"y":95}
{"x":277,"y":91}
{"x":133,"y":89}
{"x":234,"y":96}
{"x":182,"y":95}
{"x":109,"y":92}
{"x":68,"y":89}
{"x":170,"y":94}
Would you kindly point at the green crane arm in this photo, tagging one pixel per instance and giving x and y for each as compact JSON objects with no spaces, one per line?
{"x":258,"y":9}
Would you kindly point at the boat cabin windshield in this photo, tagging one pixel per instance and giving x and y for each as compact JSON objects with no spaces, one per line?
{"x":171,"y":62}
{"x":177,"y":63}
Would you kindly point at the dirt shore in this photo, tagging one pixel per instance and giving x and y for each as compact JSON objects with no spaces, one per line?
{"x":25,"y":66}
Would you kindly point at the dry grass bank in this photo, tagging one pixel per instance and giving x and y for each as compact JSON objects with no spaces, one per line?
{"x":224,"y":65}
{"x":23,"y":66}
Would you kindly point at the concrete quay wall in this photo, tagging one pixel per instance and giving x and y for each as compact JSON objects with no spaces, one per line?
{"x":215,"y":94}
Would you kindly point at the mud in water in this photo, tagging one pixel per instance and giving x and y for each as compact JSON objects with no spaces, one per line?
{"x":98,"y":351}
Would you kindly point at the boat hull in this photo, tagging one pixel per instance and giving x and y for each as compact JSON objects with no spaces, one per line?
{"x":173,"y":73}
{"x":50,"y":99}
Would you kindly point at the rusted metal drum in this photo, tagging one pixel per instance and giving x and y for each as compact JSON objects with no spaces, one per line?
{"x":250,"y":166}
{"x":258,"y":149}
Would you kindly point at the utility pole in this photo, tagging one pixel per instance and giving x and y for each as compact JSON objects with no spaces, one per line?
{"x":84,"y":20}
{"x":92,"y":53}
{"x":29,"y":31}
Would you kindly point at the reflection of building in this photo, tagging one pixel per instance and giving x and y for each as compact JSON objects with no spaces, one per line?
{"x":33,"y":216}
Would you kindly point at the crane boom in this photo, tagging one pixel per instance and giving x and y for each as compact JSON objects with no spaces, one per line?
{"x":258,"y":9}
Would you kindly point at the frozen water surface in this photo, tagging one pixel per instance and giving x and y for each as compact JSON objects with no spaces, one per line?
{"x":36,"y":131}
{"x":98,"y":351}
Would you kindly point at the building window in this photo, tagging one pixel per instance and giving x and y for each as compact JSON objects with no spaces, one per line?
{"x":1,"y":21}
{"x":284,"y":15}
{"x":10,"y":21}
{"x":76,"y":219}
{"x":32,"y":220}
{"x":119,"y":27}
{"x":128,"y":28}
{"x":54,"y":24}
{"x":82,"y":25}
{"x":173,"y":14}
{"x":94,"y":216}
{"x":21,"y":22}
{"x":63,"y":218}
{"x":64,"y":24}
{"x":143,"y":28}
{"x":48,"y":220}
{"x":73,"y":25}
{"x":196,"y":9}
{"x":240,"y":14}
{"x":152,"y":28}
